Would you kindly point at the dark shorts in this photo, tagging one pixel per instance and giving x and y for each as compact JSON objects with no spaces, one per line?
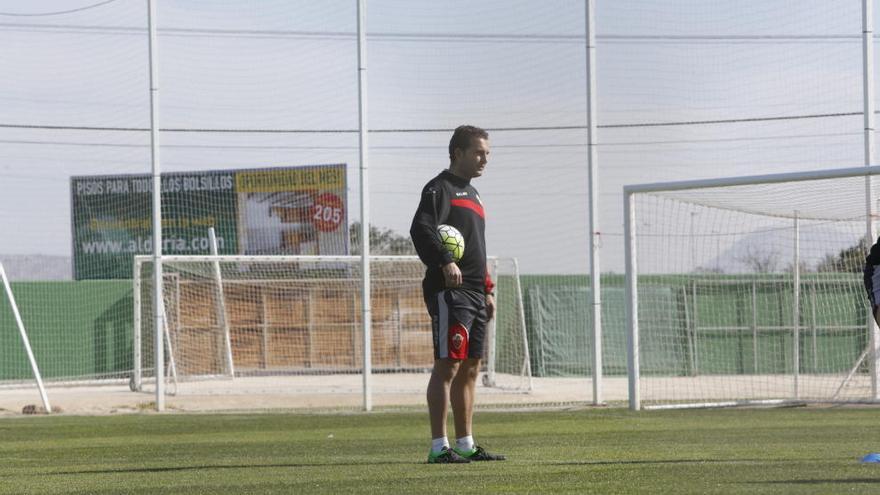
{"x":458,"y":323}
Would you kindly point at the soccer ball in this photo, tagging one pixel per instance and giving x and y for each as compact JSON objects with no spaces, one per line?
{"x":452,"y":240}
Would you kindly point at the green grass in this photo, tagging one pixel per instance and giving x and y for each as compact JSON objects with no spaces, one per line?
{"x":798,"y":450}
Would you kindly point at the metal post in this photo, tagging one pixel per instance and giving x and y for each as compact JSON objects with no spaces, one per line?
{"x":25,"y":340}
{"x":813,"y":327}
{"x":755,"y":323}
{"x":695,"y":340}
{"x":158,"y":303}
{"x":264,"y":331}
{"x":632,"y":301}
{"x":527,"y":359}
{"x":137,"y":325}
{"x":868,"y":84}
{"x":492,"y":332}
{"x":222,"y":320}
{"x":366,"y":307}
{"x":796,"y":303}
{"x":593,"y":161}
{"x":868,"y":111}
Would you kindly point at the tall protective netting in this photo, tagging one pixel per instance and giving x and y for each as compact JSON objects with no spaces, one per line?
{"x":750,"y":290}
{"x":517,"y":69}
{"x":258,"y":118}
{"x":247,"y":325}
{"x":76,"y":103}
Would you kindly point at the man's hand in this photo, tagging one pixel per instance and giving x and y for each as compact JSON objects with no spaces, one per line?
{"x":490,"y":306}
{"x":451,"y":275}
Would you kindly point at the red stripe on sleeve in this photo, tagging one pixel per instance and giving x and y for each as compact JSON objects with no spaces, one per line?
{"x":466,"y":203}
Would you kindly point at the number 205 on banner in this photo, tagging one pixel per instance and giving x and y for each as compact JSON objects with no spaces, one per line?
{"x":328,"y":212}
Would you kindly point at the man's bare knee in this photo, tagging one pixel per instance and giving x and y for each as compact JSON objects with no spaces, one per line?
{"x":468,"y":370}
{"x":445,"y":369}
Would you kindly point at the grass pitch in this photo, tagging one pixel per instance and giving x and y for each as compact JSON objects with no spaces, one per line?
{"x":797,"y":450}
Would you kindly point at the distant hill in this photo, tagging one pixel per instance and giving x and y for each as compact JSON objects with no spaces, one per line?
{"x":37,"y":267}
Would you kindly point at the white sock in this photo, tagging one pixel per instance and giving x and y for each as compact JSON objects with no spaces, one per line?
{"x":437,"y":444}
{"x":465,"y":444}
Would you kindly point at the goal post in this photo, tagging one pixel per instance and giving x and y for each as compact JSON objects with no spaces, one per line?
{"x":25,"y":340}
{"x":749,"y":290}
{"x":221,"y":304}
{"x":300,"y":316}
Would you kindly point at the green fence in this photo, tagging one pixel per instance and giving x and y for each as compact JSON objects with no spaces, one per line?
{"x":75,"y":328}
{"x":707,"y":324}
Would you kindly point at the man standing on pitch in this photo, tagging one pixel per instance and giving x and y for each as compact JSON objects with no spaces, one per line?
{"x":459,"y":295}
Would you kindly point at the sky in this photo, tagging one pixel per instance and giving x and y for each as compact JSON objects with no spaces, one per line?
{"x":740,"y":88}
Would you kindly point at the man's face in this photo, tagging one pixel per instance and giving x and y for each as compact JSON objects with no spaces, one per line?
{"x":469,"y":163}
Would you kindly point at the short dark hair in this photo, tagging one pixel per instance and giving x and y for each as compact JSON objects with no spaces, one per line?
{"x":462,"y":137}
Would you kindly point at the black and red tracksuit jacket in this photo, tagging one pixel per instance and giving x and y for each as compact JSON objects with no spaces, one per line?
{"x":451,"y":200}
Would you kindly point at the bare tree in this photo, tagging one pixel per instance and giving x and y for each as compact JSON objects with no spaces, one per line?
{"x":803,"y":267}
{"x":382,"y":241}
{"x":760,"y":260}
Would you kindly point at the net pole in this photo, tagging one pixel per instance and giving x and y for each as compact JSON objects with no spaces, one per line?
{"x":136,"y":326}
{"x":25,"y":340}
{"x":527,"y":359}
{"x":366,"y":307}
{"x":632,"y":318}
{"x":592,"y":158}
{"x":172,"y":366}
{"x":755,"y":324}
{"x":796,"y":299}
{"x":492,"y":333}
{"x":868,"y":111}
{"x":158,"y":303}
{"x":221,"y":303}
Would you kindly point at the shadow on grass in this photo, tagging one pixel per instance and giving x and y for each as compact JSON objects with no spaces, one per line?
{"x":384,"y":462}
{"x":678,"y":461}
{"x":814,"y":482}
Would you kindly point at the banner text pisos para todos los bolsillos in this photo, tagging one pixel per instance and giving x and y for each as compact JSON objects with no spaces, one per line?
{"x":284,"y":210}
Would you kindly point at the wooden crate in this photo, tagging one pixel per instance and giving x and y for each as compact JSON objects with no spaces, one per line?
{"x":288,"y":348}
{"x":297,"y":325}
{"x":247,"y":348}
{"x":197,"y":351}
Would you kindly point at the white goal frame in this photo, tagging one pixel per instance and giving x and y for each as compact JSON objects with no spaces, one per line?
{"x":631,"y":264}
{"x":138,"y":379}
{"x":24,"y":339}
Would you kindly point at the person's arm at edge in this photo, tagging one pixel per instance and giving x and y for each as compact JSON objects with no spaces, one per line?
{"x":423,"y":232}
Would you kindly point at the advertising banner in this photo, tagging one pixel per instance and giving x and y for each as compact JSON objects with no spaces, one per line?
{"x":292,"y":210}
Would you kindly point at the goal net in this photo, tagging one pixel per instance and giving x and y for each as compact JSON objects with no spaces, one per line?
{"x":750,"y":289}
{"x":293,"y":323}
